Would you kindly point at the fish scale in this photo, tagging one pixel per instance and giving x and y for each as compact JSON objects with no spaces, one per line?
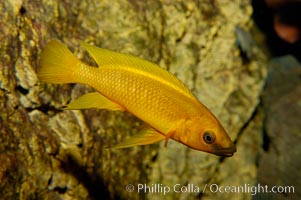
{"x":142,"y":98}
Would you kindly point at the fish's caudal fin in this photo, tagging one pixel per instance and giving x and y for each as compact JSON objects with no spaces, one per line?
{"x":58,"y":64}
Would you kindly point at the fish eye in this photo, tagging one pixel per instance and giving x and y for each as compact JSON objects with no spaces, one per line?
{"x":209,"y":137}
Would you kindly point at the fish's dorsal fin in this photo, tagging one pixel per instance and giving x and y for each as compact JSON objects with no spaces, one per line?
{"x":104,"y":57}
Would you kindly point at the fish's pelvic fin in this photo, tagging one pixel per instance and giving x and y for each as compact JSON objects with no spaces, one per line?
{"x":58,"y":64}
{"x":93,"y":100}
{"x":146,"y":136}
{"x":168,"y":136}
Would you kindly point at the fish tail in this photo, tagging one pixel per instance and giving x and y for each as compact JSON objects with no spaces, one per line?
{"x":58,"y":64}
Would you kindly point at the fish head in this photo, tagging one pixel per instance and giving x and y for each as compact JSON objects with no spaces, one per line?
{"x":209,"y":136}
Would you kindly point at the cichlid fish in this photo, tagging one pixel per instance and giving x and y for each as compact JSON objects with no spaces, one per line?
{"x":142,"y":88}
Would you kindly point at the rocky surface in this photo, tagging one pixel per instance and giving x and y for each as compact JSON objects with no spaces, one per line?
{"x":47,"y":153}
{"x":279,"y":163}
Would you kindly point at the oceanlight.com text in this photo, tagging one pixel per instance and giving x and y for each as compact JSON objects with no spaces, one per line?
{"x":253,"y":189}
{"x":211,"y":188}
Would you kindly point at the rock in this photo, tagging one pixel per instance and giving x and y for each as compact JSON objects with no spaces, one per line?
{"x":47,"y":153}
{"x":279,"y":164}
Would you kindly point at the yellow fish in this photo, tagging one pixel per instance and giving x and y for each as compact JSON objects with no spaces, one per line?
{"x":142,"y":88}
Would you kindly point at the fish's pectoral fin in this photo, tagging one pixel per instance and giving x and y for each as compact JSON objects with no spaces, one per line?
{"x":93,"y":100}
{"x":144,"y":137}
{"x":168,"y":136}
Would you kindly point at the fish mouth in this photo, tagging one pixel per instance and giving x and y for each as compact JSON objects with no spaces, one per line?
{"x":227,"y":152}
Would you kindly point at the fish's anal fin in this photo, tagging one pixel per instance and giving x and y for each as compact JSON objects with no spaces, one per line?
{"x":144,"y":137}
{"x":168,"y":136}
{"x":93,"y":100}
